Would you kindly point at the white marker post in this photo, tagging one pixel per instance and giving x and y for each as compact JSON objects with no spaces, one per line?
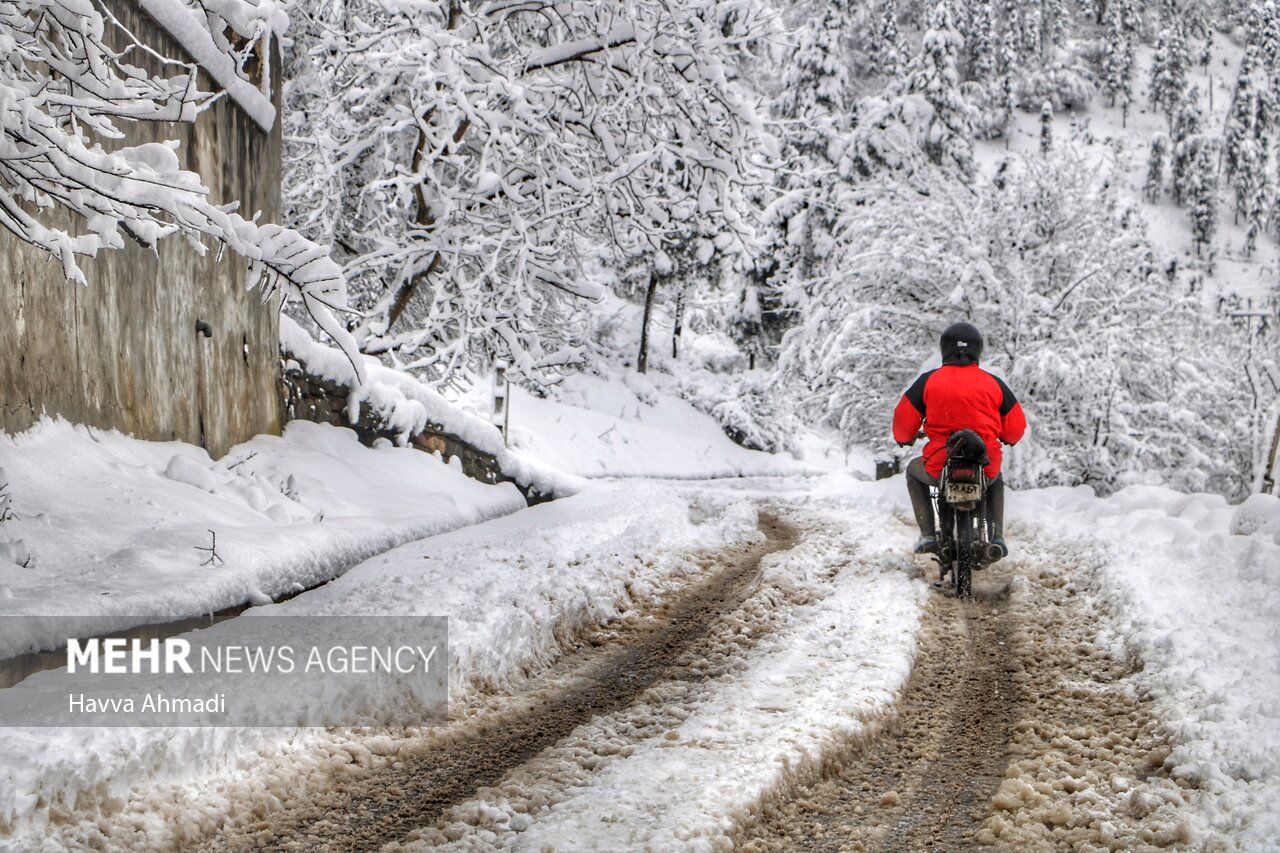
{"x":501,"y":398}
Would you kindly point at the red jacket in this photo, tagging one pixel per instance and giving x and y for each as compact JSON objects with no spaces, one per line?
{"x":956,"y":397}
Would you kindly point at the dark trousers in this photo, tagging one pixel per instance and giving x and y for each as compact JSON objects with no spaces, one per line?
{"x":918,"y":483}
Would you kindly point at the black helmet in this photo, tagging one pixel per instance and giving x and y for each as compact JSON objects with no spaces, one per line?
{"x":961,"y":344}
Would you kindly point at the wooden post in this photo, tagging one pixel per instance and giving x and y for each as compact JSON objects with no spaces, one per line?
{"x":501,"y":398}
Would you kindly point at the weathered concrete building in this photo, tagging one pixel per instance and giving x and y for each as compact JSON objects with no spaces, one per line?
{"x":124,"y":353}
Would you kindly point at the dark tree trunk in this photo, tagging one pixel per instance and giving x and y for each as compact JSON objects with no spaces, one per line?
{"x":642,"y":363}
{"x":679,"y":325}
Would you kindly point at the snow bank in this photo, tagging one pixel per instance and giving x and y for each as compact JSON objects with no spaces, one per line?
{"x":1195,"y":580}
{"x":113,"y":525}
{"x":516,"y":590}
{"x":615,"y":426}
{"x":622,"y":425}
{"x":406,"y":406}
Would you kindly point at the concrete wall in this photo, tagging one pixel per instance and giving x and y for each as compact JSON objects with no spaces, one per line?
{"x":123,"y":353}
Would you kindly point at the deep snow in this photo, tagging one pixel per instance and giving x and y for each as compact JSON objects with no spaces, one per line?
{"x":113,"y":525}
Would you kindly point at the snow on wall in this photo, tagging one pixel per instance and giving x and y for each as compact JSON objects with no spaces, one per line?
{"x":123,"y":353}
{"x":406,"y":406}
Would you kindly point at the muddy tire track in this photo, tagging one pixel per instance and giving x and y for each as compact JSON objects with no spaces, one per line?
{"x":364,"y":811}
{"x":923,"y":779}
{"x":1021,"y":728}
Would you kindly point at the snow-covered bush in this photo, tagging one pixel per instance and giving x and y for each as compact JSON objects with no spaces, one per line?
{"x":1110,"y":362}
{"x":716,"y":353}
{"x":747,"y":408}
{"x":1066,"y":85}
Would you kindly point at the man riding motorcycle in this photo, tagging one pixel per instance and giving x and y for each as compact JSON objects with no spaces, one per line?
{"x":959,"y":395}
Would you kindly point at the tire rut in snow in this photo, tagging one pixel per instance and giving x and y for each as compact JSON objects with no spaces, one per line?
{"x":385,"y":805}
{"x":924,"y":780}
{"x":1046,"y":742}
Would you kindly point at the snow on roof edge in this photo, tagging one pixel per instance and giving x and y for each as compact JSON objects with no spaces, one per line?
{"x":190,"y":32}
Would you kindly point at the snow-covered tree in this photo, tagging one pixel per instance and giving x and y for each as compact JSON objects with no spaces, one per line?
{"x":497,"y":145}
{"x":1247,"y":118}
{"x":934,"y":75}
{"x":1169,"y":69}
{"x":1262,"y":29}
{"x":1055,"y":20}
{"x":1187,"y":140}
{"x":1046,"y":128}
{"x":1201,"y":194}
{"x":69,"y":87}
{"x":1253,"y":190}
{"x":1154,"y":187}
{"x":1067,"y":291}
{"x":1008,"y":71}
{"x":886,"y":45}
{"x":1032,"y":20}
{"x":982,"y":45}
{"x":1117,"y":72}
{"x":814,"y":88}
{"x":1012,"y":43}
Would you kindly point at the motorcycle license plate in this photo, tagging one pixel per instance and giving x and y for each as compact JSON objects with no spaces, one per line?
{"x":963,"y":492}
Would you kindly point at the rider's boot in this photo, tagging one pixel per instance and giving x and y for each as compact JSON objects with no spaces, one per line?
{"x":927,"y":544}
{"x":995,"y":503}
{"x":922,"y":508}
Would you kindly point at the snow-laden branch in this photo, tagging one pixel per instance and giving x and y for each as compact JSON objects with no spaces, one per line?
{"x":473,"y":155}
{"x":62,"y":89}
{"x":196,"y":39}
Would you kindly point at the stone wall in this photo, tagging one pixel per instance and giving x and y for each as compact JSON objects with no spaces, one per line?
{"x":312,"y":398}
{"x":123,"y":353}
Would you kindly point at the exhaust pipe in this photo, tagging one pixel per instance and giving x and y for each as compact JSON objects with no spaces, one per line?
{"x":992,"y":552}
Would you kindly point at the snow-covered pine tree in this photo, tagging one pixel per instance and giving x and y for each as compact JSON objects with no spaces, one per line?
{"x":886,"y":46}
{"x":1169,"y":69}
{"x":1253,"y":190}
{"x":746,"y":325}
{"x":816,"y":82}
{"x":1201,"y":192}
{"x":1246,"y":119}
{"x":1056,"y":19}
{"x":1187,"y":126}
{"x":1008,"y":69}
{"x":794,"y":226}
{"x":1153,"y":190}
{"x":1046,"y":129}
{"x":1032,"y":20}
{"x":934,"y":75}
{"x":981,"y":46}
{"x":1264,"y":34}
{"x":1117,"y":72}
{"x":1011,"y":14}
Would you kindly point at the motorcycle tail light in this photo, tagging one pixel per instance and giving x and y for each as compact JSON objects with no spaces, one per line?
{"x":964,"y":475}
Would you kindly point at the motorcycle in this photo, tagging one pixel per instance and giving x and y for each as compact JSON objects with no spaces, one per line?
{"x":962,"y":515}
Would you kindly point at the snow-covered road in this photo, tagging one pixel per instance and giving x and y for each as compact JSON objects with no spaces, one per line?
{"x":703,"y":666}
